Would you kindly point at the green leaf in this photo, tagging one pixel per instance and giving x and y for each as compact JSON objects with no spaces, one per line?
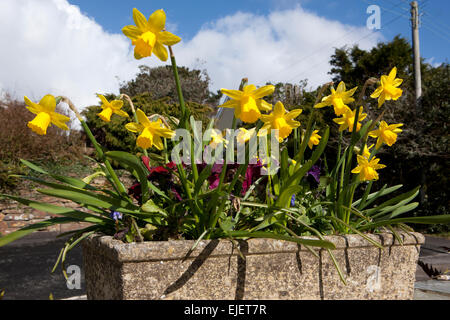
{"x":34,"y":227}
{"x":444,"y":218}
{"x":285,"y":197}
{"x":206,"y":172}
{"x":88,"y":198}
{"x":393,"y":203}
{"x":129,"y":160}
{"x":375,"y":195}
{"x":69,"y":180}
{"x":261,"y":234}
{"x":151,"y":207}
{"x":67,"y":212}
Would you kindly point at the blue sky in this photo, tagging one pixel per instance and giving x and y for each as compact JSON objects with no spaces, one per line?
{"x":190,"y":16}
{"x":76,"y":48}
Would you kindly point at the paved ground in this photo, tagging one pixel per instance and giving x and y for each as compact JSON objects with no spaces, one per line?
{"x":25,"y":267}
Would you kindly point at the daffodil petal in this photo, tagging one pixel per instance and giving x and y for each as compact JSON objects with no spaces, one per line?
{"x":116,"y":104}
{"x":229,"y":104}
{"x":264,"y":105}
{"x":392,"y":74}
{"x":142,"y":118}
{"x":134,"y":127}
{"x":233,"y":94}
{"x":263,"y":91}
{"x":157,"y":142}
{"x":140,"y":20}
{"x":132,"y":32}
{"x":168,"y":38}
{"x":279,"y":109}
{"x":48,"y":103}
{"x":293,"y":114}
{"x":157,"y":20}
{"x":121,"y":113}
{"x":160,"y":51}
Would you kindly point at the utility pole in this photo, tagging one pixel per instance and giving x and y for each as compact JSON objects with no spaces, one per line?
{"x":416,"y":49}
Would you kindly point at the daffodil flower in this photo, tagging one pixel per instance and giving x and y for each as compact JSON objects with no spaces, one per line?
{"x":339,"y":99}
{"x":366,"y":169}
{"x":388,"y":88}
{"x":148,"y":36}
{"x":248,"y":103}
{"x":366,"y":151}
{"x":314,"y":139}
{"x":111,"y":107}
{"x":386,"y":134}
{"x":281,"y":121}
{"x":244,"y":135}
{"x":150,"y":131}
{"x":348,"y":120}
{"x":46,"y":115}
{"x":216,"y":139}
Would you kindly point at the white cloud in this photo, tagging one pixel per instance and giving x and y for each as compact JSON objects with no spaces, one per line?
{"x":49,"y":46}
{"x":286,"y":46}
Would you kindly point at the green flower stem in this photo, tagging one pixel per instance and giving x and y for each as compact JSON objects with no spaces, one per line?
{"x":184,"y":116}
{"x":119,"y":186}
{"x":166,"y":152}
{"x":183,"y":121}
{"x":215,"y":213}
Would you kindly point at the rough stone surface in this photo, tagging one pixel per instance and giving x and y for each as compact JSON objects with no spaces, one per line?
{"x":272,"y":269}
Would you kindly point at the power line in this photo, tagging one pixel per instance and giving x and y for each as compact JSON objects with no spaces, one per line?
{"x":303,"y":58}
{"x":322,"y":62}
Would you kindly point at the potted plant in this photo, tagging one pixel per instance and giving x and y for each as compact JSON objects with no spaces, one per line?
{"x":272,"y":223}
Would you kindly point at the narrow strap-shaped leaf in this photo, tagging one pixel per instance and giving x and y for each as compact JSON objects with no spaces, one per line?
{"x":206,"y":172}
{"x":357,"y":232}
{"x":444,"y":218}
{"x":285,"y":196}
{"x":393,"y":203}
{"x":135,"y":163}
{"x":261,"y":234}
{"x":374,"y":196}
{"x":69,"y":180}
{"x":95,"y":200}
{"x":63,"y":211}
{"x":10,"y":237}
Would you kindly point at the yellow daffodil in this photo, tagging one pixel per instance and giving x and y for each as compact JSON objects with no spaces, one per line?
{"x":348,"y":120}
{"x":314,"y":139}
{"x":388,"y":88}
{"x":338,"y":99}
{"x":111,"y":107}
{"x":367,"y":169}
{"x":150,"y":131}
{"x":216,"y":139}
{"x":248,"y":103}
{"x":244,"y":135}
{"x":366,"y":151}
{"x":46,"y":115}
{"x":148,"y":36}
{"x":280,"y":120}
{"x":386,"y":133}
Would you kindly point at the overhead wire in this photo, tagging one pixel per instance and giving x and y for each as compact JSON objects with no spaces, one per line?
{"x":327,"y":45}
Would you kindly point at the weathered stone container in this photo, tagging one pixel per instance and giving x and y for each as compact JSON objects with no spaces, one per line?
{"x":272,"y":269}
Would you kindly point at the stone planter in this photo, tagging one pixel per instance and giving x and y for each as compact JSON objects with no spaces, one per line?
{"x":272,"y":269}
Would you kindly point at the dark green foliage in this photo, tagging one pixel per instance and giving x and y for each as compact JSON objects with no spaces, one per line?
{"x":420,"y":156}
{"x":159,"y":83}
